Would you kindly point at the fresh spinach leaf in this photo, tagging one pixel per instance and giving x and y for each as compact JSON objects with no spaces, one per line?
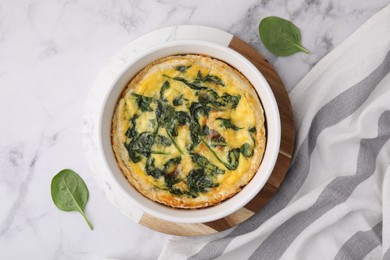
{"x":143,"y":102}
{"x":70,"y":193}
{"x":183,"y":68}
{"x":227,"y":123}
{"x":209,"y":79}
{"x":280,"y":36}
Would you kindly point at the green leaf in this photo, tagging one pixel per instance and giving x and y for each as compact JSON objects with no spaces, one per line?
{"x":199,"y":181}
{"x":227,"y":123}
{"x":165,"y":117}
{"x":246,"y":150}
{"x":205,"y":164}
{"x":134,"y":156}
{"x":168,"y":169}
{"x":169,"y":173}
{"x":140,"y":146}
{"x":170,"y":119}
{"x":280,"y":36}
{"x":152,"y":170}
{"x":164,"y":114}
{"x":232,"y":101}
{"x":182,"y":68}
{"x":164,"y":87}
{"x":143,"y":102}
{"x":131,"y":131}
{"x":193,"y":85}
{"x":226,"y":101}
{"x":211,"y":97}
{"x":198,"y":109}
{"x":209,"y":79}
{"x":196,"y":130}
{"x":170,"y":181}
{"x":70,"y":193}
{"x":233,"y":159}
{"x":171,"y":165}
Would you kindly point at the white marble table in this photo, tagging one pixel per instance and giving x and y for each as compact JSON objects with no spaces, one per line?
{"x":50,"y":54}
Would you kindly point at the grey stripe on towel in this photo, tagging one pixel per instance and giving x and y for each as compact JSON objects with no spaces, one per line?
{"x":361,"y":243}
{"x":330,"y":114}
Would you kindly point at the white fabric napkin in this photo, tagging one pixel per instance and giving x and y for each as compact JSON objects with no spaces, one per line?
{"x":335,"y":200}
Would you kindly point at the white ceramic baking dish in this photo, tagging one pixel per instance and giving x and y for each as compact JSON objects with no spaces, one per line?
{"x":272,"y":127}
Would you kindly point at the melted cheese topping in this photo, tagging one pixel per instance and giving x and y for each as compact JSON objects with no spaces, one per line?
{"x":230,"y":143}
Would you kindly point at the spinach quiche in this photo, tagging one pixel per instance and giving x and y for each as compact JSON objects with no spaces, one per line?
{"x":188,"y":131}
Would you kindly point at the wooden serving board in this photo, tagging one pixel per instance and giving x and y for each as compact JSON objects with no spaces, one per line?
{"x":277,"y":176}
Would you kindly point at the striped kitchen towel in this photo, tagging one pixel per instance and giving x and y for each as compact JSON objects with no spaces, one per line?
{"x":335,"y":200}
